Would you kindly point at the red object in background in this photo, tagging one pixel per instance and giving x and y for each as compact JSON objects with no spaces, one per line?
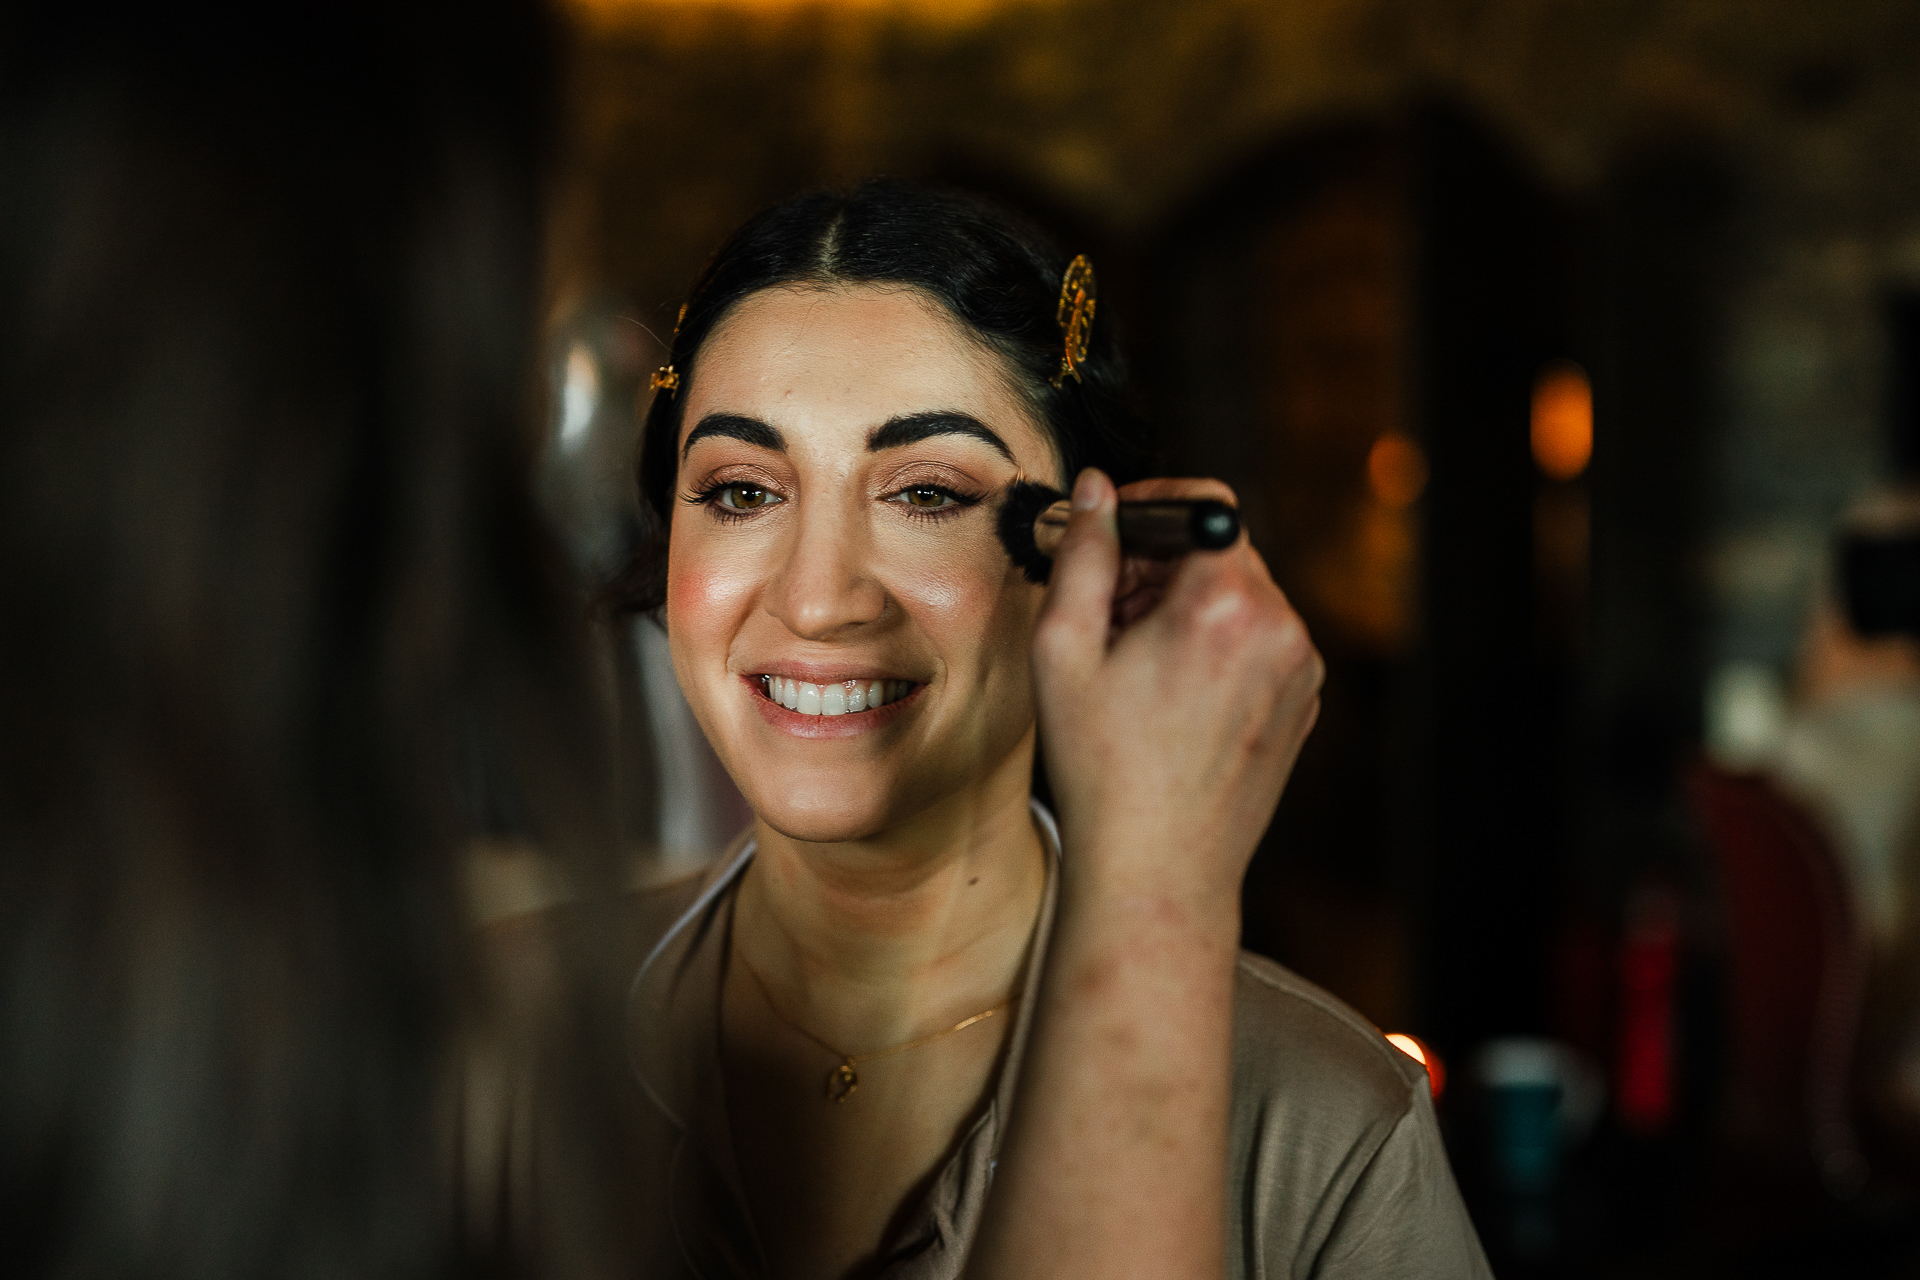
{"x":1649,"y":971}
{"x":1421,"y":1052}
{"x":1796,"y":972}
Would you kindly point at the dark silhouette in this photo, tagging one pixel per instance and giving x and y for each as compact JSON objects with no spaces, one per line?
{"x":268,"y":285}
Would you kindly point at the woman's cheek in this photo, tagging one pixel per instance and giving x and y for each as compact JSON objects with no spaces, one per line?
{"x":951,"y":595}
{"x":1012,"y":641}
{"x":979,"y":615}
{"x":708,"y":595}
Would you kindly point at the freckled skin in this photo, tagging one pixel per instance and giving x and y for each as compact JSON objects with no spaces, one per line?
{"x":837,"y":574}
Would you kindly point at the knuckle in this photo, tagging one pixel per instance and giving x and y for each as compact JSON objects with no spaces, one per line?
{"x":1278,"y":625}
{"x":1287,"y":651}
{"x":1227,"y":616}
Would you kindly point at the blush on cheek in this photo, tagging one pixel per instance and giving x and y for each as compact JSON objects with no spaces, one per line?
{"x":696,"y":591}
{"x":707,"y":597}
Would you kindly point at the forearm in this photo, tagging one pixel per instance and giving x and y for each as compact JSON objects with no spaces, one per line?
{"x":1168,"y":741}
{"x":1115,"y":1159}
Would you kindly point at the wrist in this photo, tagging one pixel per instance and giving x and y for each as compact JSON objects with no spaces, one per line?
{"x":1122,"y":918}
{"x":1155,"y":885}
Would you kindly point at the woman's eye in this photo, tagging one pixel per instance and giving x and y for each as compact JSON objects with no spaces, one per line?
{"x":927,"y":498}
{"x":745,"y":497}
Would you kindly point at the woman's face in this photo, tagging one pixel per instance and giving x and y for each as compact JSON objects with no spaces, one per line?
{"x":843,"y":618}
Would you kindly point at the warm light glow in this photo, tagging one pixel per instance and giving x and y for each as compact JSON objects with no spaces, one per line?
{"x":1562,"y":420}
{"x":579,"y":397}
{"x":1396,"y":470}
{"x":1414,"y":1048}
{"x":940,"y":12}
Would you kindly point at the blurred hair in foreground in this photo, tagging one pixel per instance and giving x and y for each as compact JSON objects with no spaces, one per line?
{"x":268,"y":287}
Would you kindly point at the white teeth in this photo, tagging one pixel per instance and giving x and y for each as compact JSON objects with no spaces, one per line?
{"x":841,"y":699}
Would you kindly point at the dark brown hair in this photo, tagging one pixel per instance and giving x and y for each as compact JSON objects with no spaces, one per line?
{"x":995,"y":274}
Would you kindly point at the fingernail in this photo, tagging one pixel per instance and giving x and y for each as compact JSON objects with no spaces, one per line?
{"x":1086,"y":490}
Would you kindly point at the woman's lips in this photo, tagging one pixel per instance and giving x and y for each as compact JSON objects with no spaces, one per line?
{"x":839,"y":709}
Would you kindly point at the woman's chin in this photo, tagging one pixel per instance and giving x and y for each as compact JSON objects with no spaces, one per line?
{"x":832,"y":825}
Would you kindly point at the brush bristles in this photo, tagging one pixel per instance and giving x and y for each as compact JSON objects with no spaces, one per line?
{"x":1022,"y":505}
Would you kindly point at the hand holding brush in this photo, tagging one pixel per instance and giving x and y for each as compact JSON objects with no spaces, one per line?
{"x":1160,"y":520}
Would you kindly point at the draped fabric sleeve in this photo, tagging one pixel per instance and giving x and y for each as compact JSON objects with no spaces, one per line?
{"x":1337,"y":1168}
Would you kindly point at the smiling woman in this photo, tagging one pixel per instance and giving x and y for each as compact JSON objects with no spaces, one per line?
{"x":847,"y":542}
{"x":830,"y":1023}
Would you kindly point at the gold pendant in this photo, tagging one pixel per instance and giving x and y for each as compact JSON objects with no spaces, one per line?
{"x":842,"y":1081}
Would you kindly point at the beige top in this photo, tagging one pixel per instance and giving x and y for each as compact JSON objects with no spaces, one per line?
{"x":1336,"y":1164}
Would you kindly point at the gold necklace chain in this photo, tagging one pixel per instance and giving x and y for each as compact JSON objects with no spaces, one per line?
{"x":844,"y":1079}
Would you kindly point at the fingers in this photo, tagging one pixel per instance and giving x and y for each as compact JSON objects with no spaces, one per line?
{"x":1226,"y":614}
{"x":1198,"y":700}
{"x":1162,"y":487}
{"x":1074,"y":620}
{"x":1146,"y":584}
{"x":1221,"y":610}
{"x":1144,"y":580}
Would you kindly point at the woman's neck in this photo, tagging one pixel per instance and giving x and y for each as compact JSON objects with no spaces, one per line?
{"x":872,"y":941}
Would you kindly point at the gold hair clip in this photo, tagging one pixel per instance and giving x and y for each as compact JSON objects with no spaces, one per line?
{"x":664,"y":378}
{"x":1075,"y":315}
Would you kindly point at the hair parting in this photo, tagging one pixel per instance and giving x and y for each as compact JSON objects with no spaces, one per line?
{"x":1000,"y":278}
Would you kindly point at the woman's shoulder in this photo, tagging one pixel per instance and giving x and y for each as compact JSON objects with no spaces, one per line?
{"x":1296,"y":1038}
{"x":638,"y":917}
{"x":1335,"y":1153}
{"x":528,"y":956}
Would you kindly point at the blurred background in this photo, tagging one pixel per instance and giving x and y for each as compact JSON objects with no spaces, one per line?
{"x":1566,"y":357}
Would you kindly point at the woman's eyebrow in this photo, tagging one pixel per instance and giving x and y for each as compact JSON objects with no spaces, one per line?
{"x":736,"y":427}
{"x":915,"y":427}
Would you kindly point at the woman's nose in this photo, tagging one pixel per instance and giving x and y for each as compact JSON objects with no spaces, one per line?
{"x":827,"y":586}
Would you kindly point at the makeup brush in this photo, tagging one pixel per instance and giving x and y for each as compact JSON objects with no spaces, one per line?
{"x":1033,"y":519}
